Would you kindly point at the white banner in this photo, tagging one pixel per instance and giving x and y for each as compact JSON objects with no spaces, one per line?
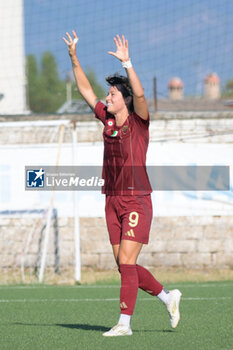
{"x":166,"y":203}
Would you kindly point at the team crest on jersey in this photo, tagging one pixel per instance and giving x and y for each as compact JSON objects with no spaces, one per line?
{"x":124,"y":129}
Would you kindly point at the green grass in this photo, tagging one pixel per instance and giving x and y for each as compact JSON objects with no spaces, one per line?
{"x":74,"y":317}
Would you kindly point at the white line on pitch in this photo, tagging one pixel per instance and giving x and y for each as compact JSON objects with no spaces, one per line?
{"x":116,"y":286}
{"x":203,"y":285}
{"x":97,"y":300}
{"x":58,"y":286}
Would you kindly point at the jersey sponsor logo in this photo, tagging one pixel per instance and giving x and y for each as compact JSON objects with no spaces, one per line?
{"x":109,"y":128}
{"x":130,"y":233}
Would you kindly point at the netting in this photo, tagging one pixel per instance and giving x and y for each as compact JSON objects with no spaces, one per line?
{"x":22,"y":244}
{"x":185,"y":39}
{"x":37,"y":241}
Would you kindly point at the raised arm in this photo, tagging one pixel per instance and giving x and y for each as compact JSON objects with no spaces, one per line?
{"x":122,"y":54}
{"x":82,"y":82}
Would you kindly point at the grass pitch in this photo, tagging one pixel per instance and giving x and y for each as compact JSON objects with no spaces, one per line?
{"x":74,"y":317}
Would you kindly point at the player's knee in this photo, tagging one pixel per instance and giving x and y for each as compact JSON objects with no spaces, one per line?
{"x":124,"y":259}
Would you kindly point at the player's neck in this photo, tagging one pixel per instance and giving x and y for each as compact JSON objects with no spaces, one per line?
{"x":121,"y":117}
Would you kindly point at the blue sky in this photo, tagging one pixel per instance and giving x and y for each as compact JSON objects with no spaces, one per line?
{"x":185,"y":38}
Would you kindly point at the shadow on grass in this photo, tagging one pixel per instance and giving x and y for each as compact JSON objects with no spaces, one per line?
{"x":86,"y":327}
{"x":153,"y":331}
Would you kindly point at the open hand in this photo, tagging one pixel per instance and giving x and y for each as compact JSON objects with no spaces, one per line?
{"x":122,"y":50}
{"x":71,"y":43}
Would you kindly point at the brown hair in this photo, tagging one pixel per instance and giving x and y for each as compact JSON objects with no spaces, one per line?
{"x":122,"y":84}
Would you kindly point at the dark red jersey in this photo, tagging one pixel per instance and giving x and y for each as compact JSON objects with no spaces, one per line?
{"x":125,"y":148}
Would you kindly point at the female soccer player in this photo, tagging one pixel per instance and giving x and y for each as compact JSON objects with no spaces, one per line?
{"x":128,"y":201}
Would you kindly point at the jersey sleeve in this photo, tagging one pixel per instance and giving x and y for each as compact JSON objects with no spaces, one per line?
{"x":142,"y":122}
{"x":100,"y":111}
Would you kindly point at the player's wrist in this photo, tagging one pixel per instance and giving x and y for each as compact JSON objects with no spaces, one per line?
{"x":73,"y":56}
{"x":127,"y":63}
{"x":74,"y":60}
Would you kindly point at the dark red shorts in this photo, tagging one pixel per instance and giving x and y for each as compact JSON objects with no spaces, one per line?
{"x":128,"y":217}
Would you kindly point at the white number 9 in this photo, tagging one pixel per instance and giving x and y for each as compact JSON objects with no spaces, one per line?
{"x":133,"y":219}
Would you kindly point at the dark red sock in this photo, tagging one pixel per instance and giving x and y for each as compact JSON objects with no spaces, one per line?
{"x":147,"y":282}
{"x":129,"y":288}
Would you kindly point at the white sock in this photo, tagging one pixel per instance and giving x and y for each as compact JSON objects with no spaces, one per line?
{"x":125,"y":320}
{"x":163,"y":296}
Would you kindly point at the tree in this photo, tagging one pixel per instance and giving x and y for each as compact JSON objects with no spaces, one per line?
{"x":32,"y":81}
{"x":228,"y":89}
{"x":53,"y":89}
{"x":46,"y":91}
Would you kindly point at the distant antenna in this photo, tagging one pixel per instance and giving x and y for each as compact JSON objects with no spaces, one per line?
{"x":155,"y":94}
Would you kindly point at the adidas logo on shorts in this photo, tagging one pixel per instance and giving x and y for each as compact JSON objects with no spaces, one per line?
{"x":130,"y":233}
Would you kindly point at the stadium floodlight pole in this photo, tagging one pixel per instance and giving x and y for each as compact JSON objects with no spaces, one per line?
{"x":76,"y":213}
{"x":49,"y":215}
